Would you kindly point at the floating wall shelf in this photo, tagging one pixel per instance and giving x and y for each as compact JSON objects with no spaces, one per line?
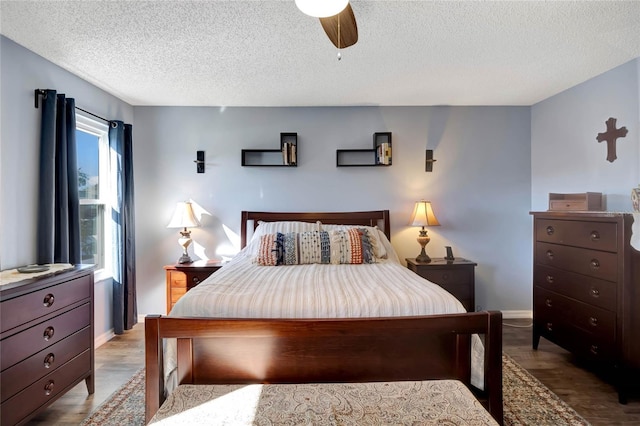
{"x":379,"y":155}
{"x":286,"y":156}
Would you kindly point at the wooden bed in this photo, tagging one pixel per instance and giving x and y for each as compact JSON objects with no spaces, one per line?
{"x":242,"y":351}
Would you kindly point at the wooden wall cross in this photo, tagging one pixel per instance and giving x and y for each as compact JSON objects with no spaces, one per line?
{"x":611,"y":135}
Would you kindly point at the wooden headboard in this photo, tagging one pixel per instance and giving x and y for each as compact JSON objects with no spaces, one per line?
{"x":379,"y":218}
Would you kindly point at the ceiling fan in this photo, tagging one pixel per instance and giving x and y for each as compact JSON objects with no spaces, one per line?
{"x":336,"y":17}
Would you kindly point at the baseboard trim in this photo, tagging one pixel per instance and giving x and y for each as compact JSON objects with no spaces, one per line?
{"x":103,"y":338}
{"x":517,"y":314}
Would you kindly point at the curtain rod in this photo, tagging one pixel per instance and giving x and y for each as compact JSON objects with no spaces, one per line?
{"x":42,"y":92}
{"x":94,"y":115}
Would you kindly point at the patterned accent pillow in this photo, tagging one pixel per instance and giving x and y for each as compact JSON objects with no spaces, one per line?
{"x":351,"y":246}
{"x":373,"y":233}
{"x":291,"y":253}
{"x":270,"y":250}
{"x":297,"y":248}
{"x":314,"y":247}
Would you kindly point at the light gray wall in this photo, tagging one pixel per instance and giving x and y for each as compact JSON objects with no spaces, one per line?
{"x":565,"y":156}
{"x":480,"y":186}
{"x":22,"y":72}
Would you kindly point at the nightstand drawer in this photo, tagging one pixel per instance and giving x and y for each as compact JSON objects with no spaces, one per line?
{"x":447,"y":277}
{"x":183,"y":277}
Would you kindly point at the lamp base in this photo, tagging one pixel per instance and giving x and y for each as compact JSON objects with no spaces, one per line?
{"x":423,"y":257}
{"x":423,"y":240}
{"x":185,"y":259}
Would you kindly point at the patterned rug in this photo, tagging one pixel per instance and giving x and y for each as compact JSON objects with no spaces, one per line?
{"x":526,"y":402}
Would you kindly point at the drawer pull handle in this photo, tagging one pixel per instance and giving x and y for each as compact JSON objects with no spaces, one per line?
{"x":48,"y":300}
{"x":594,"y":349}
{"x":595,"y":235}
{"x":550,"y":230}
{"x":550,"y":279}
{"x":48,"y":360}
{"x":550,"y":254}
{"x":48,"y":388}
{"x":595,"y":264}
{"x":549,"y":326}
{"x":48,"y":333}
{"x":195,"y":280}
{"x":595,"y":292}
{"x":593,"y":321}
{"x":548,"y":303}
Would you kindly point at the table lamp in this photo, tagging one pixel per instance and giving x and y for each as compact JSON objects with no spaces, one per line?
{"x":423,"y":216}
{"x":184,"y":218}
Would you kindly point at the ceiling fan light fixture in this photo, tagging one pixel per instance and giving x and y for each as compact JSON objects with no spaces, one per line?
{"x":321,"y":8}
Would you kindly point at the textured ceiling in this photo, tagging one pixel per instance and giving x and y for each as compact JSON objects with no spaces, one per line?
{"x":267,"y":53}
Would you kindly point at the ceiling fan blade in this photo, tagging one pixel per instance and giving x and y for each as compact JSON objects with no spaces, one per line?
{"x":348,"y":28}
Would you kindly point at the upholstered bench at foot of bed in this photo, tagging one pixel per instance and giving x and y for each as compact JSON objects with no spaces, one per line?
{"x":433,"y":402}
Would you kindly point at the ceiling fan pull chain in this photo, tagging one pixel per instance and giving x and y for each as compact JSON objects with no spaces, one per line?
{"x":339,"y":54}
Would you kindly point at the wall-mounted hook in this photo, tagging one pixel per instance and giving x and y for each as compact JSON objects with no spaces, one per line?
{"x":429,"y":160}
{"x":199,"y":161}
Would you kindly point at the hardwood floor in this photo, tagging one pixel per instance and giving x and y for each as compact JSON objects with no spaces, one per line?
{"x":590,"y":395}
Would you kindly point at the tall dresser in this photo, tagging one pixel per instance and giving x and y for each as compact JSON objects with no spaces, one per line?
{"x":46,"y":341}
{"x":586,"y":289}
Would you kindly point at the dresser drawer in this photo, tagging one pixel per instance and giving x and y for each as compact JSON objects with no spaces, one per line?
{"x":586,"y":234}
{"x":44,"y":362}
{"x":45,"y":390}
{"x":594,"y":291}
{"x":598,"y":264}
{"x":32,"y":340}
{"x":25,"y":308}
{"x":553,"y":307}
{"x":580,"y":343}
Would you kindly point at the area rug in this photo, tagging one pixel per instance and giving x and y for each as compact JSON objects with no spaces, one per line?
{"x":526,"y":402}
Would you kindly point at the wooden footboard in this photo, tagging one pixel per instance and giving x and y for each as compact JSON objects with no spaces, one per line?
{"x":224,"y":351}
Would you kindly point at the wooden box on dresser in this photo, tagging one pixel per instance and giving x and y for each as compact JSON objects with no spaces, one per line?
{"x":47,"y":346}
{"x":586,"y":289}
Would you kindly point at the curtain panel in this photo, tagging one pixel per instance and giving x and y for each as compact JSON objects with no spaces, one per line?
{"x":58,"y":210}
{"x":122,"y":224}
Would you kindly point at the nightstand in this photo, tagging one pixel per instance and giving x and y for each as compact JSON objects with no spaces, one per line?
{"x":456,"y":276}
{"x":182,"y":277}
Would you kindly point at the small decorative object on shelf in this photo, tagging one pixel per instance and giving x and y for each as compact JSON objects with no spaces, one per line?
{"x":379,"y":155}
{"x":286,"y":156}
{"x":382,"y":145}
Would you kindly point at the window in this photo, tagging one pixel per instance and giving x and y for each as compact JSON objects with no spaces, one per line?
{"x":92,"y":144}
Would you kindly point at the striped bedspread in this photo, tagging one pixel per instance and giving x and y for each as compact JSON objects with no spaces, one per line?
{"x":242,"y":289}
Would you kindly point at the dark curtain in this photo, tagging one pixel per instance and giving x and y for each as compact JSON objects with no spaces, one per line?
{"x":122,"y":221}
{"x":58,"y":209}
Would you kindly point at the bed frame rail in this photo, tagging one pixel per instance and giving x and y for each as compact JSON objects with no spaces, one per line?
{"x":225,"y":351}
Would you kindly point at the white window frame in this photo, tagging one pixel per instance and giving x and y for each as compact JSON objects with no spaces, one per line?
{"x":101,"y":130}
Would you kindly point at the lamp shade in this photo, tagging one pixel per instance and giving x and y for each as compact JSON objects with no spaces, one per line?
{"x":321,"y":8}
{"x":183,"y":217}
{"x":423,"y":215}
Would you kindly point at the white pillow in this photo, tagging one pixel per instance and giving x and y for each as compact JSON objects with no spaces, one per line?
{"x":374,"y":233}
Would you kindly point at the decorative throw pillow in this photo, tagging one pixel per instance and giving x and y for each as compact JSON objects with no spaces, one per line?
{"x":372,"y":232}
{"x":351,"y":245}
{"x":270,"y":251}
{"x":314,"y":247}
